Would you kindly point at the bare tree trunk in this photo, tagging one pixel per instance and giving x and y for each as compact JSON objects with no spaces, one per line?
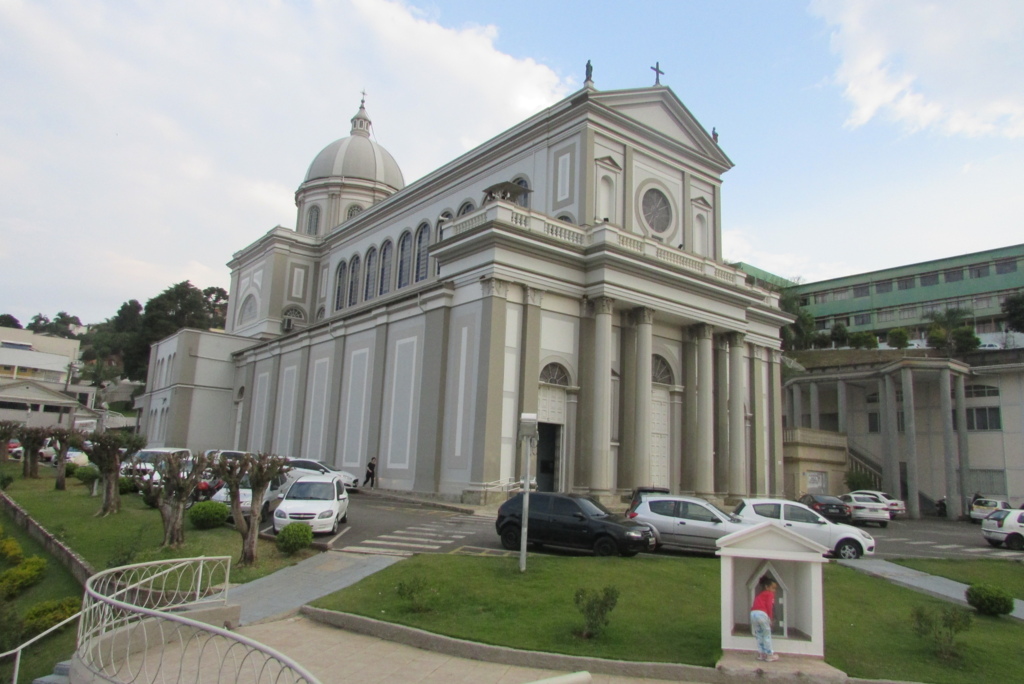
{"x":61,"y":482}
{"x":173,"y":514}
{"x":252,"y":535}
{"x":111,"y":494}
{"x":33,"y":465}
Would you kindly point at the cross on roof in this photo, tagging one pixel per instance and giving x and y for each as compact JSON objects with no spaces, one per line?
{"x":658,"y":73}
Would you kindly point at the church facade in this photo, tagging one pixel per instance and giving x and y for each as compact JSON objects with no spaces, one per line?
{"x":570,"y":267}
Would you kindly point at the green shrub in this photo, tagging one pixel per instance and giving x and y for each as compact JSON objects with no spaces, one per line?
{"x":942,"y":628}
{"x":988,"y":599}
{"x":294,"y":537}
{"x":10,"y":550}
{"x":21,"y":577}
{"x":207,"y":515}
{"x":413,"y":591}
{"x":46,"y":614}
{"x":87,"y":474}
{"x":595,"y":606}
{"x":126,"y":485}
{"x":69,"y":469}
{"x":11,"y":628}
{"x":5,"y":480}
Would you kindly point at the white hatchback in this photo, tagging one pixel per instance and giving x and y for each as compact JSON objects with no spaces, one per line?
{"x":319,"y":501}
{"x":896,"y":506}
{"x":1004,"y":527}
{"x":845,"y":541}
{"x":865,"y":508}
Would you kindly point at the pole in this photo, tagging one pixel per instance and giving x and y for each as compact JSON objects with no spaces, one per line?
{"x":527,"y":438}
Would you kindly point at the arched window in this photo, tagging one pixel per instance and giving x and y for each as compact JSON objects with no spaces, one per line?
{"x":466,"y":208}
{"x":555,"y":374}
{"x":524,"y":199}
{"x":661,"y":371}
{"x":386,"y":256}
{"x":371,"y":274}
{"x":353,"y":209}
{"x":567,"y":219}
{"x":340,"y":281}
{"x":247,"y":311}
{"x":354,"y":281}
{"x":404,"y":259}
{"x":294,"y":312}
{"x":321,"y":313}
{"x":422,"y":251}
{"x":313,"y":221}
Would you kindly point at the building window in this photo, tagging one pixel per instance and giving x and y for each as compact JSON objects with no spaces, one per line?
{"x":901,"y":422}
{"x":873,"y":424}
{"x":370,"y":282}
{"x":929,"y":279}
{"x":386,"y":256}
{"x":862,"y":319}
{"x":524,"y":199}
{"x":931,"y":308}
{"x":842,"y":294}
{"x":908,"y":312}
{"x":661,"y":371}
{"x":422,"y":251}
{"x":1006,"y":266}
{"x":313,"y":221}
{"x":984,"y":418}
{"x":973,"y":391}
{"x":340,"y":281}
{"x":353,"y":210}
{"x":321,"y":313}
{"x":466,"y":208}
{"x":883,"y":286}
{"x":906,"y":283}
{"x":566,"y":219}
{"x":554,"y":374}
{"x":822,"y":297}
{"x":404,"y":259}
{"x":656,"y":210}
{"x":980,"y":271}
{"x":354,"y":281}
{"x":821,"y":324}
{"x":986,"y":327}
{"x":982,"y":302}
{"x":861,"y":291}
{"x":886,"y":315}
{"x":954,"y":275}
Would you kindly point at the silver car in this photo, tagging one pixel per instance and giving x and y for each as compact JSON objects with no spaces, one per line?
{"x":686,"y":522}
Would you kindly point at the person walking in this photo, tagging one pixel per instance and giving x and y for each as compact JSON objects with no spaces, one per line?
{"x":761,"y":615}
{"x":371,"y":472}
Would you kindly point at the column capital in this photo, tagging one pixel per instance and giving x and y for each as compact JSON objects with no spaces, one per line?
{"x":643,"y":315}
{"x":494,"y":287}
{"x":533,"y":296}
{"x":776,"y":356}
{"x":737,"y":339}
{"x":603,"y":305}
{"x":701,"y":331}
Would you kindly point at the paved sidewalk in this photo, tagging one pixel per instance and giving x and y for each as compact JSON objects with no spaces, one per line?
{"x":939,"y":587}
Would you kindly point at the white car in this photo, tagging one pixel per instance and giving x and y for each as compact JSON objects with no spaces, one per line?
{"x":845,"y":541}
{"x":865,"y":508}
{"x":271,"y":498}
{"x":896,"y":506}
{"x":308,"y":465}
{"x":688,"y":522}
{"x":146,"y":464}
{"x":982,"y":508}
{"x":1005,"y":526}
{"x":319,"y":501}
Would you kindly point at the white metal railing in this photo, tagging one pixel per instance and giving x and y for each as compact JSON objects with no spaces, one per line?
{"x":17,"y":651}
{"x":131,"y":628}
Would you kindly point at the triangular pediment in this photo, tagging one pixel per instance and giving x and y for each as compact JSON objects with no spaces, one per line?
{"x":701,"y":202}
{"x":30,"y":392}
{"x":753,"y":542}
{"x":659,"y":109}
{"x":609,"y":162}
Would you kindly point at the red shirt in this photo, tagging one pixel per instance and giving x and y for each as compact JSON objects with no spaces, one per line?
{"x":765,"y":601}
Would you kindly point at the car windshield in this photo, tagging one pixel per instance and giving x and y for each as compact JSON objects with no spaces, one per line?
{"x":313,"y":491}
{"x":592,"y":508}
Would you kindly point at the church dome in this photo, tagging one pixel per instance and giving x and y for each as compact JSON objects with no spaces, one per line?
{"x":357,"y":157}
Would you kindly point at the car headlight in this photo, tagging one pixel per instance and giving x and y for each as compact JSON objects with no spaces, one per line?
{"x":635,"y":534}
{"x":326,"y":514}
{"x":280,"y":514}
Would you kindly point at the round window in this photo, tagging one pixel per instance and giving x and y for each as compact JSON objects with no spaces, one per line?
{"x":657,"y":211}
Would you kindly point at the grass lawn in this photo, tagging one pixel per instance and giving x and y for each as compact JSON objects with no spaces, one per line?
{"x":131,"y":536}
{"x":668,"y":611}
{"x":1005,"y":574}
{"x":57,"y":583}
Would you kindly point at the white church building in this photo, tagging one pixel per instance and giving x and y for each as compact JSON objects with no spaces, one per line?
{"x":569,"y":267}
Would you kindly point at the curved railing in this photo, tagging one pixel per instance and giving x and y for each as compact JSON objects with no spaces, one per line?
{"x":135,"y":628}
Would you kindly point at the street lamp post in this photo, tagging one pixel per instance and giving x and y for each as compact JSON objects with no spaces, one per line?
{"x":527,"y":442}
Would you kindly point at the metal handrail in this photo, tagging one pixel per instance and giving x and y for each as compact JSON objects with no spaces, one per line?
{"x":16,"y":652}
{"x":122,"y":641}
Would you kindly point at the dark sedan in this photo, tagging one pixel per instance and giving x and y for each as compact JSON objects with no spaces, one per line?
{"x":829,"y":506}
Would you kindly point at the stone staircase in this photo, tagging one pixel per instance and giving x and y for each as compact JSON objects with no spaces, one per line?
{"x":59,"y":676}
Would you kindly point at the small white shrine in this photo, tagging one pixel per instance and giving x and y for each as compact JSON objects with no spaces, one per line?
{"x":795,"y":563}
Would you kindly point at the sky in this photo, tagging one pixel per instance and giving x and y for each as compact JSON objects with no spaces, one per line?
{"x":143,"y":142}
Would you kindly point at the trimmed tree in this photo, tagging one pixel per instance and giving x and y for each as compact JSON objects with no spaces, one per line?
{"x":64,"y":438}
{"x":839,"y":335}
{"x":261,"y":469}
{"x":8,"y":431}
{"x":170,"y":485}
{"x":898,"y":338}
{"x":32,"y":440}
{"x":1013,"y":307}
{"x":104,"y":452}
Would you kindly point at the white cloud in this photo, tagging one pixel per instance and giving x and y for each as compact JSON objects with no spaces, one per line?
{"x":953,"y":67}
{"x":146,"y":142}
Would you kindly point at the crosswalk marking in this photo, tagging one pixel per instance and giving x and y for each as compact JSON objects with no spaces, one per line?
{"x":378,"y":551}
{"x":397,"y":543}
{"x":400,"y":537}
{"x":950,"y":546}
{"x":918,"y":543}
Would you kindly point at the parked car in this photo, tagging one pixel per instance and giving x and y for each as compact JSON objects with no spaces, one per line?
{"x":989,"y":345}
{"x":829,"y":506}
{"x":271,"y":498}
{"x":147,"y":463}
{"x":48,"y":450}
{"x":687,"y":522}
{"x":867,"y":508}
{"x":77,"y":457}
{"x":981,"y":508}
{"x":896,"y":506}
{"x":14,"y":449}
{"x":1005,"y":526}
{"x":311,"y":466}
{"x":319,"y":501}
{"x":572,"y":520}
{"x":844,"y":541}
{"x":640,"y":492}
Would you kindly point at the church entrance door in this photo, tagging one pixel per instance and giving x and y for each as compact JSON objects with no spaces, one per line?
{"x":549,"y":438}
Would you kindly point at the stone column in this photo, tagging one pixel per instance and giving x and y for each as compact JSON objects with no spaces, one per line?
{"x":675,"y":459}
{"x":815,"y":407}
{"x":966,"y":484}
{"x":644,"y":319}
{"x":841,"y":404}
{"x":762,"y":411}
{"x":776,"y":482}
{"x":798,"y":404}
{"x":687,"y":472}
{"x":954,"y":507}
{"x":601,"y":426}
{"x":910,"y":445}
{"x":738,"y":481}
{"x":721,"y":346}
{"x":704,"y":467}
{"x":891,"y":460}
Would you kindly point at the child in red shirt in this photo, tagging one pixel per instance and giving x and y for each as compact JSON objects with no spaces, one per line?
{"x":761,"y":614}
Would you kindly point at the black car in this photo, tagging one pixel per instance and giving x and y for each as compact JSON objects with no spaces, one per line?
{"x":832,"y":507}
{"x":574,"y":521}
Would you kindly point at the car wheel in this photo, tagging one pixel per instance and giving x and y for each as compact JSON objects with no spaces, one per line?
{"x":510,"y":537}
{"x":334,"y":527}
{"x":605,"y":546}
{"x":883,"y":524}
{"x":848,"y":550}
{"x":344,"y":518}
{"x":265,"y":513}
{"x":993,"y":542}
{"x":1015,"y":542}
